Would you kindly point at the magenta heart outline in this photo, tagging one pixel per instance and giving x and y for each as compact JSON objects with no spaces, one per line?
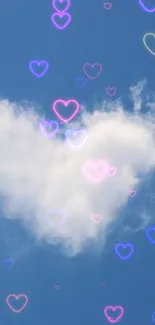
{"x":57,"y":9}
{"x":108,"y":89}
{"x":65,"y":103}
{"x":17,"y":297}
{"x":145,"y":8}
{"x":132,"y":193}
{"x":61,"y":16}
{"x":92,"y":66}
{"x":38,"y":63}
{"x":107,"y":5}
{"x":46,"y":123}
{"x":113,"y":308}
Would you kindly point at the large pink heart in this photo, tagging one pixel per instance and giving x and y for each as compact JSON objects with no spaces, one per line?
{"x":108,"y":309}
{"x":55,"y":2}
{"x":17,"y":297}
{"x":95,"y":68}
{"x":66,"y":103}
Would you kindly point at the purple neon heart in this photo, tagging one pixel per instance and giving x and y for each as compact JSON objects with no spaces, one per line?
{"x":145,"y":8}
{"x":54,"y":3}
{"x":45,"y":124}
{"x":64,"y":25}
{"x":124,"y":247}
{"x":148,"y":230}
{"x":34,"y":63}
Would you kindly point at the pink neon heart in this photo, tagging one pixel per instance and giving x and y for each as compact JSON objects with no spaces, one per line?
{"x":95,"y":170}
{"x":96,"y":218}
{"x":61,"y":16}
{"x":66,"y":103}
{"x":54,"y":3}
{"x":111,"y":91}
{"x":132,"y":193}
{"x":17,"y":297}
{"x":112,"y":171}
{"x":89,"y":65}
{"x":107,"y":5}
{"x":113,"y":308}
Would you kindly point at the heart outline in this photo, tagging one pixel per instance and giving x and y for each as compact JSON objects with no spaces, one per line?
{"x":113,"y":309}
{"x":61,"y":15}
{"x":152,"y":34}
{"x":38,"y":64}
{"x":92,"y":65}
{"x":17,"y":297}
{"x":57,"y":9}
{"x":65,"y":103}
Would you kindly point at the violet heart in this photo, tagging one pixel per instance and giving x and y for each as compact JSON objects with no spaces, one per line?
{"x":66,"y":2}
{"x":145,"y":8}
{"x":46,"y":126}
{"x":132,"y":193}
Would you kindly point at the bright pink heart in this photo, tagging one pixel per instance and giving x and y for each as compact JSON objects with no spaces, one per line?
{"x":107,"y":5}
{"x":95,"y":68}
{"x":96,"y":218}
{"x":17,"y":297}
{"x":95,"y":170}
{"x":55,"y":2}
{"x":132,"y":193}
{"x":111,"y":91}
{"x":108,"y":309}
{"x":61,"y":21}
{"x":66,"y":103}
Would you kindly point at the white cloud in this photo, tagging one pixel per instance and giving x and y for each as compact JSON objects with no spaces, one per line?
{"x":38,"y":175}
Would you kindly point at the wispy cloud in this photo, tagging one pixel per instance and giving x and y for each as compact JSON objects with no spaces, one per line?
{"x":38,"y":175}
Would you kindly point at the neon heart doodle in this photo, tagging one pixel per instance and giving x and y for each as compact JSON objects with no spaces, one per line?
{"x":76,"y":133}
{"x":61,"y":24}
{"x":16,"y":297}
{"x":111,"y":91}
{"x":131,"y":250}
{"x":108,"y":309}
{"x":34,"y":64}
{"x":96,"y":218}
{"x":55,"y":2}
{"x":66,"y":103}
{"x":148,"y":230}
{"x":8,"y":263}
{"x":153,"y":317}
{"x":132,"y":193}
{"x":95,"y":170}
{"x":107,"y":5}
{"x":144,"y":41}
{"x":145,"y":8}
{"x":91,"y":67}
{"x":45,"y":126}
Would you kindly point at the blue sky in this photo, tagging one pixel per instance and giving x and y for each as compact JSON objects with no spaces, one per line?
{"x":39,"y":176}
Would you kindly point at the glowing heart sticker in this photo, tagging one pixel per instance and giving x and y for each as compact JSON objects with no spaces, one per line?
{"x":76,"y":138}
{"x":61,"y":20}
{"x":95,"y":170}
{"x":38,"y":68}
{"x":113,"y":313}
{"x":61,"y":102}
{"x":57,"y":3}
{"x":92,"y":71}
{"x":141,"y":2}
{"x":145,"y":41}
{"x":22,"y":299}
{"x":49,"y":129}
